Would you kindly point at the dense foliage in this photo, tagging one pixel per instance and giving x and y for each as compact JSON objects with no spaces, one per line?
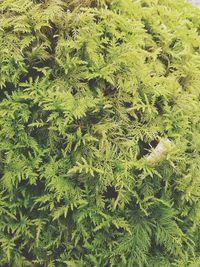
{"x":88,"y":90}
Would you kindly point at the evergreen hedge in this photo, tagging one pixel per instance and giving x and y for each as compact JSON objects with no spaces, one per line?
{"x":99,"y":133}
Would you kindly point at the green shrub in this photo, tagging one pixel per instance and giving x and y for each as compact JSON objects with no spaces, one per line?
{"x":99,"y":133}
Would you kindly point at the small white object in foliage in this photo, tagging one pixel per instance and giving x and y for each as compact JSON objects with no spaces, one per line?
{"x":160,"y":150}
{"x":195,"y":2}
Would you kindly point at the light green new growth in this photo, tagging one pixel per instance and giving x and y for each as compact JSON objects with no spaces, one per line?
{"x":89,"y":90}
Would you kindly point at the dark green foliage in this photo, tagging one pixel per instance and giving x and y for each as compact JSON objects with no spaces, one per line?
{"x":88,"y":90}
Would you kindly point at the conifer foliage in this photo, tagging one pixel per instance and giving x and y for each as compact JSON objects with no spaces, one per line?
{"x":90,"y":91}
